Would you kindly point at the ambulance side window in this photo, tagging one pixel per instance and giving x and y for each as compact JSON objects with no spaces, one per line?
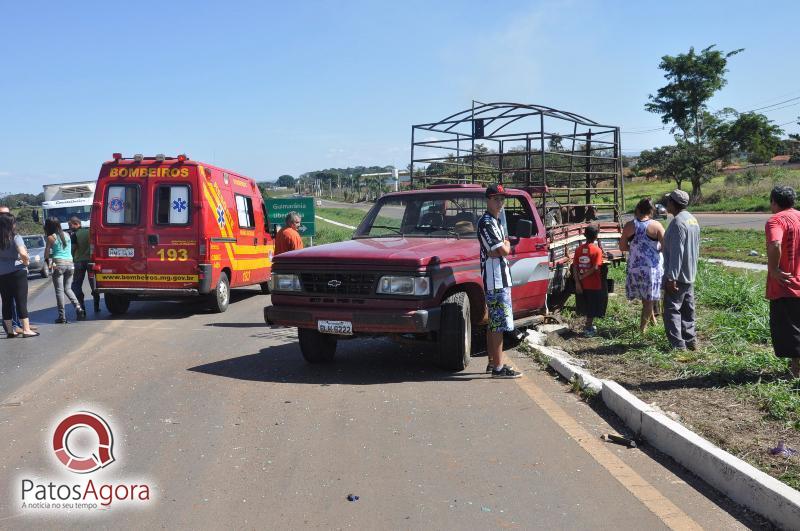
{"x":122,"y":204}
{"x":172,"y":204}
{"x":266,"y":217}
{"x":244,"y":207}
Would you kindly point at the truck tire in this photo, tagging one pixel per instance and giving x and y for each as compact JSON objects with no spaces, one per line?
{"x":315,"y":346}
{"x":265,"y":288}
{"x":455,"y":333}
{"x":221,"y":296}
{"x":117,"y":304}
{"x":45,"y":272}
{"x":557,"y":299}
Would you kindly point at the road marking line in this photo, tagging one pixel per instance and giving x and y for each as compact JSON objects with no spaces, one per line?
{"x":663,"y":508}
{"x":336,"y":223}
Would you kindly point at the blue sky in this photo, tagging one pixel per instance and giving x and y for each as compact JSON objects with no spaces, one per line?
{"x":267,"y":88}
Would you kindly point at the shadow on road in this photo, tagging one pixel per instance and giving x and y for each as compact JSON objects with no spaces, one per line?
{"x":358,"y":362}
{"x":143,"y":310}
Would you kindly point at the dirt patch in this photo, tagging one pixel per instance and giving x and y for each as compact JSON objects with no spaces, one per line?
{"x":722,"y":413}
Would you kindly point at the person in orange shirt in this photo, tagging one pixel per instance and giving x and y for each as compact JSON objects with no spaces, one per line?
{"x":288,"y":239}
{"x":586,"y":265}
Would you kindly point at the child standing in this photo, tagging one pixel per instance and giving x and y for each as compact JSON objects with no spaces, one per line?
{"x":586,"y":266}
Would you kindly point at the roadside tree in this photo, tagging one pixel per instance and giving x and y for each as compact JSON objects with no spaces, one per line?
{"x":703,"y":137}
{"x":286,"y":181}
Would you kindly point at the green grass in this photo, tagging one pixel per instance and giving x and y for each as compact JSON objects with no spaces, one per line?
{"x":733,"y":321}
{"x":350,"y":216}
{"x":734,"y":244}
{"x":745,"y":191}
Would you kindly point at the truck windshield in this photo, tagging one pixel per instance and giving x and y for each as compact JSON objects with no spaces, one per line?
{"x":63,"y":214}
{"x":424,"y":216}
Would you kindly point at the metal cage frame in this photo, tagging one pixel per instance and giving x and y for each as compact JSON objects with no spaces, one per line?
{"x":586,"y":175}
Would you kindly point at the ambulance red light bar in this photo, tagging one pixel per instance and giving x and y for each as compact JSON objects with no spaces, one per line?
{"x":117,"y":156}
{"x":182,"y":158}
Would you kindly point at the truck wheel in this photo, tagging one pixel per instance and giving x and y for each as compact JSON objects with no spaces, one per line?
{"x":117,"y":304}
{"x":221,"y":296}
{"x":265,"y":288}
{"x":557,"y":299}
{"x":316,"y":347}
{"x":455,"y":333}
{"x":45,"y":272}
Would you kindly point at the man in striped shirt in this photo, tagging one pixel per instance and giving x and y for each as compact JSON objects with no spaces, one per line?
{"x":496,"y":273}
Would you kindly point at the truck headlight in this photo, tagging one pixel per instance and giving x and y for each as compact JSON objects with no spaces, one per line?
{"x":284,"y":282}
{"x":36,"y":258}
{"x":391,"y":285}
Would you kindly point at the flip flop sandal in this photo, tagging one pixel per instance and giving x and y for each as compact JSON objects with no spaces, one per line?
{"x":9,"y":336}
{"x":34,"y":334}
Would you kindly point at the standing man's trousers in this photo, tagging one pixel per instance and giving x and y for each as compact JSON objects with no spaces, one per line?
{"x":679,"y":316}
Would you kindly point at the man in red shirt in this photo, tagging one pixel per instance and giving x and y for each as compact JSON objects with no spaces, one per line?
{"x":288,"y":239}
{"x":783,"y":280}
{"x":586,"y":265}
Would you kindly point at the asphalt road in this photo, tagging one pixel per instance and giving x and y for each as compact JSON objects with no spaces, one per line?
{"x":755,"y":220}
{"x":221,"y":415}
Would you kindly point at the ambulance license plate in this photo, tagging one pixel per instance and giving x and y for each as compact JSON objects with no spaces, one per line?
{"x":125,"y":252}
{"x":342,"y":328}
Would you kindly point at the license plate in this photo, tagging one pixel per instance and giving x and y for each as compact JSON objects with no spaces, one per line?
{"x":342,"y":328}
{"x":126,"y":252}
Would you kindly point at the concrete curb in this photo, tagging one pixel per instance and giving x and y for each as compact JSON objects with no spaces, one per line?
{"x":564,"y":365}
{"x":740,"y":481}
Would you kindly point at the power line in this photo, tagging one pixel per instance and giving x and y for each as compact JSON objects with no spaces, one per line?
{"x":774,"y":105}
{"x":643,"y":131}
{"x":771,"y":107}
{"x":792,"y":93}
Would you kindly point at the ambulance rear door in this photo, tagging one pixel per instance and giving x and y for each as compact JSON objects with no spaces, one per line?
{"x":120,"y":246}
{"x":172,"y":232}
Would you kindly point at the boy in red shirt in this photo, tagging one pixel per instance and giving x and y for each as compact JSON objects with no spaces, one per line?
{"x":586,"y":266}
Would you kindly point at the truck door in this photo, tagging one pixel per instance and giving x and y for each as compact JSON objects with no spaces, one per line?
{"x":120,"y":237}
{"x":172,"y":232}
{"x":529,"y":259}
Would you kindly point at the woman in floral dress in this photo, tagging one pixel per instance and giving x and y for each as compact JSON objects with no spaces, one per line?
{"x":643,"y":237}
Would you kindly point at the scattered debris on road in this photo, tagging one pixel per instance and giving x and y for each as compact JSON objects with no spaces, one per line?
{"x":783,"y":450}
{"x":618,"y":439}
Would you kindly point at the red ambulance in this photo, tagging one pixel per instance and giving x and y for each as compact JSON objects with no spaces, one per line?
{"x":170,"y":227}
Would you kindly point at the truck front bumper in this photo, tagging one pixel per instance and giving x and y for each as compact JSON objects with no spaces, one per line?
{"x":365,"y":322}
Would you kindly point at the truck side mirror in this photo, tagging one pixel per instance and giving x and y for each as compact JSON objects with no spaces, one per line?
{"x":35,"y":215}
{"x":524,"y":228}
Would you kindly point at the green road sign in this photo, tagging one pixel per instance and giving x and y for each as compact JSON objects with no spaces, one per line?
{"x":278,"y":208}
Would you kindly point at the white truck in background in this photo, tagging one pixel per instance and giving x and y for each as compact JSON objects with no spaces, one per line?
{"x":65,"y":200}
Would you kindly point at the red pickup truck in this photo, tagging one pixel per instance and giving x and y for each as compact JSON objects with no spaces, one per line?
{"x":412,"y":269}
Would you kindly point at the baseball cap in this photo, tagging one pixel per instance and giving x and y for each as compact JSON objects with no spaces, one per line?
{"x":680,"y":197}
{"x":495,"y":189}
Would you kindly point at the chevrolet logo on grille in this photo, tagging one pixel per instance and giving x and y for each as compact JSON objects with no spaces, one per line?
{"x":334,"y":283}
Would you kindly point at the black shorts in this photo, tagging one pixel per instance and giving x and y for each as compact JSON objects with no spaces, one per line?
{"x":591,"y":303}
{"x":784,"y":326}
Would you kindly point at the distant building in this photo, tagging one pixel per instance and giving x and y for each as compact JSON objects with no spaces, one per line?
{"x":780,"y":160}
